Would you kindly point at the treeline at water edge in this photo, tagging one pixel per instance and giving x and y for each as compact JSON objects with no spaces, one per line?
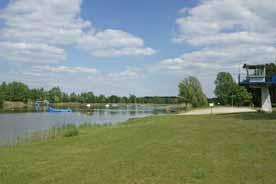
{"x":227,"y":92}
{"x":20,"y":92}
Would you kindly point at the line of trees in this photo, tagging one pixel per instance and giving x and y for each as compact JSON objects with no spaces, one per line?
{"x":227,"y":91}
{"x":190,"y":92}
{"x":17,"y":91}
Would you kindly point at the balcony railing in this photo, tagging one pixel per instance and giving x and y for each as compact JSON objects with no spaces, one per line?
{"x":243,"y":78}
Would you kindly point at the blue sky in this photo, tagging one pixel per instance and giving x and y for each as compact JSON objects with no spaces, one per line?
{"x":121,"y":46}
{"x":151,"y":20}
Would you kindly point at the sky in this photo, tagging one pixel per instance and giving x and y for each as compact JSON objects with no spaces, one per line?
{"x":127,"y":47}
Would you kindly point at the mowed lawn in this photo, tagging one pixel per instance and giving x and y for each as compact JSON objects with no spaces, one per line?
{"x":218,"y":149}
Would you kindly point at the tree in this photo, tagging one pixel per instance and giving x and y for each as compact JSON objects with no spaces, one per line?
{"x":55,"y":94}
{"x":241,"y":96}
{"x":224,"y":87}
{"x":36,"y":94}
{"x":2,"y":95}
{"x":73,"y":97}
{"x":88,"y":97}
{"x":124,"y":99}
{"x":190,"y":91}
{"x":101,"y":99}
{"x":65,"y":97}
{"x":228,"y":92}
{"x":114,"y":99}
{"x":132,"y":98}
{"x":16,"y":91}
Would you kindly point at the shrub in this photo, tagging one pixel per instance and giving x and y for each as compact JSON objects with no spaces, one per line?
{"x":70,"y":130}
{"x":199,"y":173}
{"x":86,"y":125}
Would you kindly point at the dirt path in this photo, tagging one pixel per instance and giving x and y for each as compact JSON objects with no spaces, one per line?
{"x":218,"y":110}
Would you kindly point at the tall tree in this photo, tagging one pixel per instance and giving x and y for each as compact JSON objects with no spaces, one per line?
{"x":73,"y":97}
{"x":132,"y":98}
{"x":228,"y":92}
{"x":190,"y":91}
{"x":224,"y":87}
{"x":2,"y":94}
{"x":17,"y":91}
{"x":55,"y":95}
{"x":101,"y":99}
{"x":114,"y":99}
{"x":241,"y":96}
{"x":36,"y":94}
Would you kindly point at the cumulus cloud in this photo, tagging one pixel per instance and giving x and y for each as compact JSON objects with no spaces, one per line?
{"x":54,"y":25}
{"x":112,"y":42}
{"x":224,"y":34}
{"x":217,"y":59}
{"x":129,"y":73}
{"x":229,"y":22}
{"x":43,"y":21}
{"x":78,"y":79}
{"x":63,"y":69}
{"x":31,"y":52}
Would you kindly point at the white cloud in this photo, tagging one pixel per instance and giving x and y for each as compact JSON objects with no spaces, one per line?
{"x":63,"y":69}
{"x":129,"y":73}
{"x":224,"y":34}
{"x":218,"y":59}
{"x":44,"y":21}
{"x":57,"y":24}
{"x":75,"y":79}
{"x":111,"y":38}
{"x":123,"y":52}
{"x":31,"y":52}
{"x":113,"y":43}
{"x":229,"y":22}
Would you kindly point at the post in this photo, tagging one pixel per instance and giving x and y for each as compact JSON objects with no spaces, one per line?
{"x":211,"y":105}
{"x":266,"y":101}
{"x":232,"y":100}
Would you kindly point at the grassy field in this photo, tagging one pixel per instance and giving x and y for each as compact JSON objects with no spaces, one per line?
{"x":219,"y":149}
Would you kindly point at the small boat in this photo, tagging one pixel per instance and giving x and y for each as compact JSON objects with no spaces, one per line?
{"x":173,"y":111}
{"x":50,"y":109}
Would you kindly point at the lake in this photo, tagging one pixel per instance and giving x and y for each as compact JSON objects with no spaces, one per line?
{"x":20,"y":124}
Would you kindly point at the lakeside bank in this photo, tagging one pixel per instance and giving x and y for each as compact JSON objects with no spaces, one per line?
{"x":236,"y":148}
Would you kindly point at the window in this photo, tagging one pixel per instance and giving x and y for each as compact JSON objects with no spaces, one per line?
{"x":256,"y":72}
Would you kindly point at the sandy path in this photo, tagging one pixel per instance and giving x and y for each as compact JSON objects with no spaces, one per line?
{"x":218,"y":110}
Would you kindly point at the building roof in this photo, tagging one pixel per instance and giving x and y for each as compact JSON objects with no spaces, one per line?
{"x":253,"y":66}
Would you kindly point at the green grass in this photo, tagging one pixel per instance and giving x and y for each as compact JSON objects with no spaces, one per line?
{"x":222,"y":149}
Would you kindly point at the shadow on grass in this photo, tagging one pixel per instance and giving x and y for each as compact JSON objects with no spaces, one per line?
{"x":256,"y":116}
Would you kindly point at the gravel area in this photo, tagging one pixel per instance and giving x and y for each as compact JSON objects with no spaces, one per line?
{"x":218,"y":110}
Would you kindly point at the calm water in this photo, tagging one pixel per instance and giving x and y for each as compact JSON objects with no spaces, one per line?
{"x":14,"y":125}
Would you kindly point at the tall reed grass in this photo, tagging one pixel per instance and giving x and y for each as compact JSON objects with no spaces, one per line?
{"x":67,"y":130}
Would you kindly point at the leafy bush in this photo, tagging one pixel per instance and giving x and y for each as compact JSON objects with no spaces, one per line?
{"x":86,"y":125}
{"x":70,"y":130}
{"x":199,"y":173}
{"x":92,"y":125}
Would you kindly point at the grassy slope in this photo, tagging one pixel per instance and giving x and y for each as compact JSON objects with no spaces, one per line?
{"x":164,"y":150}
